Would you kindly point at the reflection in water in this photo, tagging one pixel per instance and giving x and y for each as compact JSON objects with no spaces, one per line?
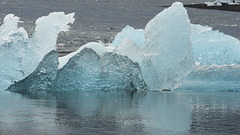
{"x":101,"y":112}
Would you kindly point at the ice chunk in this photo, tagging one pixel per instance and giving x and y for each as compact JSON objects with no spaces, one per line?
{"x":20,"y":55}
{"x":213,"y":78}
{"x":168,"y":47}
{"x":136,"y":35}
{"x":89,"y":71}
{"x":213,"y":47}
{"x":42,"y":77}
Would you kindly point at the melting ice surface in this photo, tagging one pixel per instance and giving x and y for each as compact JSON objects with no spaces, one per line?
{"x":169,"y":53}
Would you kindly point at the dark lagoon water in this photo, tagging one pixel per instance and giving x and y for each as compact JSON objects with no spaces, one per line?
{"x":116,"y":112}
{"x":120,"y":112}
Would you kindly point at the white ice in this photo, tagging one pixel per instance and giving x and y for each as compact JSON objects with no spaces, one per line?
{"x":20,"y":55}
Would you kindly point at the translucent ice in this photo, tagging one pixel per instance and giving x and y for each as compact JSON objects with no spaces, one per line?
{"x":168,"y":48}
{"x":20,"y":55}
{"x":84,"y":71}
{"x":213,"y":47}
{"x":42,"y":77}
{"x":88,"y":71}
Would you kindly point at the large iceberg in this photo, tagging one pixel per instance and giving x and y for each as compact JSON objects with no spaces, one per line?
{"x":20,"y":55}
{"x":170,"y":50}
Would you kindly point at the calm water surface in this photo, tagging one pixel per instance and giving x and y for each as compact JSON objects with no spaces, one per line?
{"x":99,"y":112}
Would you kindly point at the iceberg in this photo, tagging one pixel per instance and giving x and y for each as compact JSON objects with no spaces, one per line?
{"x":20,"y":55}
{"x":170,"y":53}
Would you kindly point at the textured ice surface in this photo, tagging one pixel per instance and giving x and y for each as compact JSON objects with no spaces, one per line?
{"x":84,"y":71}
{"x":89,"y":71}
{"x":166,"y":54}
{"x":168,"y":48}
{"x":42,"y":77}
{"x":213,"y":78}
{"x":20,"y":55}
{"x":213,"y":47}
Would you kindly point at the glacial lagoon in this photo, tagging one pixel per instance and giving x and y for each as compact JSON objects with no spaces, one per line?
{"x":206,"y":102}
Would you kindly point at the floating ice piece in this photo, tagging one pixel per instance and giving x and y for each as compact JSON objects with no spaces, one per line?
{"x":20,"y":55}
{"x":164,"y":59}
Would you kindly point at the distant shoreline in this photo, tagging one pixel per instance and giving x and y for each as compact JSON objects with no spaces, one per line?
{"x":225,"y":7}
